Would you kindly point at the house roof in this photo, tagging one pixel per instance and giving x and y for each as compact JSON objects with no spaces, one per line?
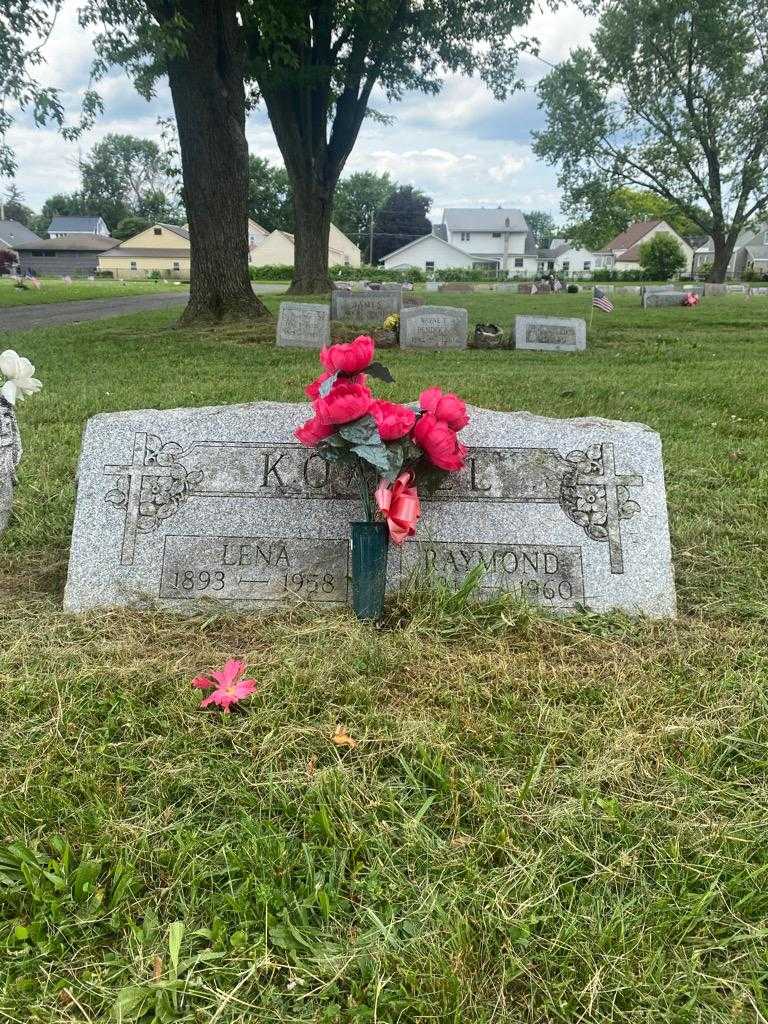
{"x":119,"y":253}
{"x":84,"y":243}
{"x":176,"y":229}
{"x":757,"y":252}
{"x":435,"y":238}
{"x":87,"y":223}
{"x":469,"y":219}
{"x":629,"y":238}
{"x":12,"y":232}
{"x":555,"y":250}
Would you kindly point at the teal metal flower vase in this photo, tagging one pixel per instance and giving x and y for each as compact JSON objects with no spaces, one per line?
{"x":370,"y":542}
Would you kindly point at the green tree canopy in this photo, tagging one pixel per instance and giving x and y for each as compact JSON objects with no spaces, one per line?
{"x":358,"y":200}
{"x":661,"y":256}
{"x":542,"y":224}
{"x":270,"y":200}
{"x":402,"y":219}
{"x":600,"y":213}
{"x":671,"y":97}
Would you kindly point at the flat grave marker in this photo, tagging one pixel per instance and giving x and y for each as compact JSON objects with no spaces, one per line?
{"x":219,"y":508}
{"x":550,"y":333}
{"x":656,"y":300}
{"x":433,"y":327}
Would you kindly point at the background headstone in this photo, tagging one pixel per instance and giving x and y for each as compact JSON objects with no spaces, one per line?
{"x":654,"y":300}
{"x":715,"y":289}
{"x":628,"y":289}
{"x":550,"y":333}
{"x":368,"y":307}
{"x":433,"y":327}
{"x":432,"y":286}
{"x":303,"y":325}
{"x":696,"y":289}
{"x":456,"y":286}
{"x":735,"y":288}
{"x":219,"y":508}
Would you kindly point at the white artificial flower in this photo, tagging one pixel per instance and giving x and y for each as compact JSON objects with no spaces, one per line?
{"x":20,"y":373}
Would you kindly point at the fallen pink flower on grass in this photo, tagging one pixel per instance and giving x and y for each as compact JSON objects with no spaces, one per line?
{"x":230,"y":687}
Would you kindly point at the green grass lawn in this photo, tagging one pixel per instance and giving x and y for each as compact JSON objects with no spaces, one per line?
{"x":543,"y":820}
{"x":53,"y":289}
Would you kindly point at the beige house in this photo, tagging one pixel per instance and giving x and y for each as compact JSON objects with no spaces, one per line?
{"x":625,"y":248}
{"x":278,"y":249}
{"x":163,"y":249}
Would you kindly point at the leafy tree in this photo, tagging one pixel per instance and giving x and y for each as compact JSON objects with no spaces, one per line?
{"x":402,"y":219}
{"x":602,"y":212}
{"x":358,"y":200}
{"x":15,"y":207}
{"x":130,"y":226}
{"x":671,"y":98}
{"x":270,"y":200}
{"x":542,"y":225}
{"x":62,"y":205}
{"x":661,"y":257}
{"x":122,"y":176}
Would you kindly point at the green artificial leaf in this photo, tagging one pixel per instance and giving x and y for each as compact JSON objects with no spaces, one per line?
{"x":363,"y":431}
{"x":380,"y":372}
{"x":326,"y":386}
{"x":395,"y":458}
{"x":375,"y":454}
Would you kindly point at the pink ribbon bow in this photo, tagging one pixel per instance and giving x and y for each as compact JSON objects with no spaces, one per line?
{"x":399,"y":504}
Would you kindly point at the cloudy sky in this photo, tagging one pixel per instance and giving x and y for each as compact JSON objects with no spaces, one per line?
{"x":463,"y":148}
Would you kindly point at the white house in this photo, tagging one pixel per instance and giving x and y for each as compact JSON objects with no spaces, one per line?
{"x":749,"y":253}
{"x":492,"y":239}
{"x":562,"y":257}
{"x":61,"y":227}
{"x":278,"y":249}
{"x":625,"y":247}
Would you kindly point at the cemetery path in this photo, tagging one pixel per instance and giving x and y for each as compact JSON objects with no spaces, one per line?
{"x":24,"y":318}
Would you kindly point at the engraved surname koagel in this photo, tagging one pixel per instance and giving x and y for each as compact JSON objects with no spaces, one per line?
{"x":256,"y":569}
{"x":549,"y":574}
{"x":163,"y":477}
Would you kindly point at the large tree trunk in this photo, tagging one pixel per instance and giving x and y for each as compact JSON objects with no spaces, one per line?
{"x":312,"y":205}
{"x":723,"y":253}
{"x":209,"y":102}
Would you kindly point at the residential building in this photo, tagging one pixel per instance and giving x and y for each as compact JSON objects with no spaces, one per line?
{"x":565,"y":258}
{"x":161,"y":249}
{"x":278,"y":250}
{"x":73,"y":255}
{"x":61,"y":227}
{"x":750,"y":253}
{"x":625,"y":247}
{"x":12,"y":233}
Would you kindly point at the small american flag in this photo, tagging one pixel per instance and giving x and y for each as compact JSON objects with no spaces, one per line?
{"x":601,"y":300}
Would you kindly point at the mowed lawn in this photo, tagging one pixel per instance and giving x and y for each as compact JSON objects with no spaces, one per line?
{"x":54,"y":289}
{"x":543,"y":820}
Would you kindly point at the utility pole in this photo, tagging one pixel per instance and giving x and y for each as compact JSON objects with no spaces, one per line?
{"x":370,"y":242}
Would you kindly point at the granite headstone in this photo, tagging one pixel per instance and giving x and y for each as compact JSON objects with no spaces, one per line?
{"x":368,"y":307}
{"x":303,"y":325}
{"x":715,"y":289}
{"x":221,"y":508}
{"x":655,"y":300}
{"x":433,"y":327}
{"x":550,"y":333}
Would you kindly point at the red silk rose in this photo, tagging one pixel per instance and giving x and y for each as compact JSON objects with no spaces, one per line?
{"x":399,"y":504}
{"x":346,"y":401}
{"x":313,"y":431}
{"x":312,"y":390}
{"x":393,"y":420}
{"x":439,"y":443}
{"x":351,"y":358}
{"x":449,"y":407}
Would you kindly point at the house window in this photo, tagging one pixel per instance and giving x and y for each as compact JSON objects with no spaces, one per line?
{"x":429,"y":265}
{"x":158,"y":231}
{"x":587,"y":264}
{"x":495,"y":234}
{"x":176,"y":265}
{"x":465,"y":236}
{"x":518,"y":262}
{"x":566,"y":266}
{"x":134,"y":265}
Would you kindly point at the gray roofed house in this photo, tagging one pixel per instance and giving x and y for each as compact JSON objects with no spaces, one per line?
{"x":468,"y":219}
{"x":749,"y":253}
{"x":89,"y":224}
{"x":12,"y":234}
{"x":75,"y":255}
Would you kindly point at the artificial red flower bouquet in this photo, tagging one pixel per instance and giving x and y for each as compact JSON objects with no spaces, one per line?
{"x":691,"y":299}
{"x":391,"y":446}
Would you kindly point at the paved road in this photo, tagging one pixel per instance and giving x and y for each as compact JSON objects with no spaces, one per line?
{"x":24,"y":318}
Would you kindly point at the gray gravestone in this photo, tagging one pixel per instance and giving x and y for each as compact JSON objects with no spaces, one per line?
{"x":695,"y":289}
{"x":655,"y":300}
{"x":220,"y":508}
{"x":367,"y":307}
{"x":432,"y":286}
{"x":761,"y":292}
{"x":715,"y":289}
{"x":735,"y":288}
{"x":303,"y":325}
{"x":628,"y":289}
{"x":550,"y":333}
{"x":433,"y":327}
{"x":10,"y":457}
